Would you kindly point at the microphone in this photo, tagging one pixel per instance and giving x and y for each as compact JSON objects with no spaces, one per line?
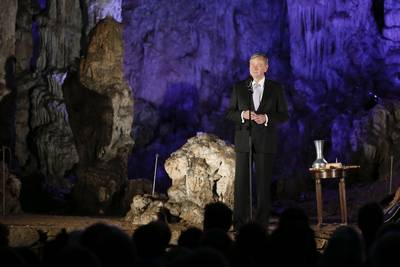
{"x":250,"y":85}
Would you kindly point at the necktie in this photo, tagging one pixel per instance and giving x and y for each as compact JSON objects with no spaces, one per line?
{"x":257,"y":94}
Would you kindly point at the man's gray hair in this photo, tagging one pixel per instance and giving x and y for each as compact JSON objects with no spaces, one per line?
{"x":255,"y":55}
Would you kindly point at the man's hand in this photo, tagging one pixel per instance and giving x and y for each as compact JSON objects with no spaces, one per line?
{"x":258,"y":118}
{"x":246,"y":114}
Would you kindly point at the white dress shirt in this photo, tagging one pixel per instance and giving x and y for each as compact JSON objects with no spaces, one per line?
{"x":258,"y":90}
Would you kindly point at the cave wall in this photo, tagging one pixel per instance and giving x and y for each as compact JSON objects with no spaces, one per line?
{"x":182,"y":59}
{"x":8,"y":11}
{"x":64,"y":63}
{"x":338,"y":60}
{"x":44,"y":143}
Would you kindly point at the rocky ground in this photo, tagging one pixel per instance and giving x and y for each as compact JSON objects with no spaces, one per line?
{"x":27,"y":229}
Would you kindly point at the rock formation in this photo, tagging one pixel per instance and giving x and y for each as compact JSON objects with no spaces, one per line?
{"x":202,"y":171}
{"x":60,"y":34}
{"x":8,"y":11}
{"x":51,"y":133}
{"x":102,"y":72}
{"x":100,"y":9}
{"x":64,"y":126}
{"x":12,"y":191}
{"x":144,"y":209}
{"x":373,"y":137}
{"x":101,"y":107}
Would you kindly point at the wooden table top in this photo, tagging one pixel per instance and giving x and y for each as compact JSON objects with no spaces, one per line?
{"x":331,"y":172}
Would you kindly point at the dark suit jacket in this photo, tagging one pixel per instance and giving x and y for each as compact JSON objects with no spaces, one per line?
{"x":273,"y":103}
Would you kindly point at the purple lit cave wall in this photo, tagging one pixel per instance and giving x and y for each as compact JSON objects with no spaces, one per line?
{"x":182,"y":58}
{"x":339,"y":62}
{"x":91,"y":91}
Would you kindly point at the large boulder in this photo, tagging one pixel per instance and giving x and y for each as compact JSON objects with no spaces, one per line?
{"x":144,"y":209}
{"x":202,"y":171}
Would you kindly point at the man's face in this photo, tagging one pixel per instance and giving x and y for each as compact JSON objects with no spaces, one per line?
{"x":258,"y":68}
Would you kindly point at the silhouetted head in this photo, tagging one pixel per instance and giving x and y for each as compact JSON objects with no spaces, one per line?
{"x":53,"y":247}
{"x":152,"y":239}
{"x":76,"y":255}
{"x":190,"y":238}
{"x":385,"y":251}
{"x":217,"y":215}
{"x":344,"y":249}
{"x":393,"y":227}
{"x":293,"y":244}
{"x":110,"y":244}
{"x":217,"y":239}
{"x":202,"y":257}
{"x":175,"y":254}
{"x":252,"y":236}
{"x":370,"y":217}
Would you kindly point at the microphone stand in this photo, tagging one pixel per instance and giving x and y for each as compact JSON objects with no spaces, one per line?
{"x":250,"y":88}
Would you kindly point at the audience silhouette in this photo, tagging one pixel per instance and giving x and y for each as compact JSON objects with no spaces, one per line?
{"x":370,"y":219}
{"x":344,"y":249}
{"x":110,"y":244}
{"x":190,"y":238}
{"x":152,"y":241}
{"x":251,"y":246}
{"x":291,"y":243}
{"x":217,"y":215}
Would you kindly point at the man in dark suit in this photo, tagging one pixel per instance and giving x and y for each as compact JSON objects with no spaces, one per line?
{"x":257,"y":105}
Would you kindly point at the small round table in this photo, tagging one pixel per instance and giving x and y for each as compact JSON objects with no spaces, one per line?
{"x":331,"y":173}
